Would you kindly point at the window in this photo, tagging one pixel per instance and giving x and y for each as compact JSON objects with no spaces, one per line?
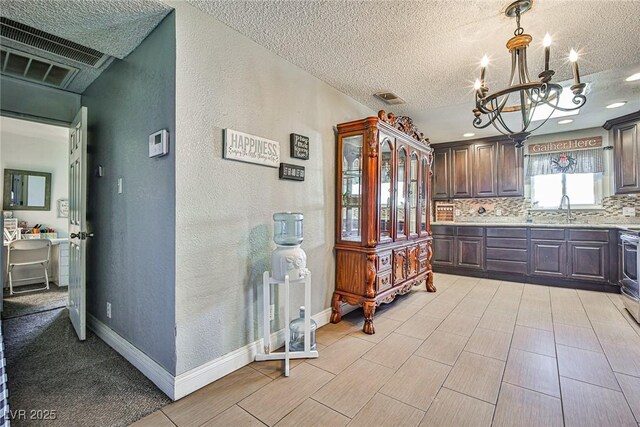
{"x":584,"y":190}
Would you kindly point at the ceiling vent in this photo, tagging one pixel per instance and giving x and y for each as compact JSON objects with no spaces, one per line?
{"x":30,"y":36}
{"x":35,"y":69}
{"x":389,"y":98}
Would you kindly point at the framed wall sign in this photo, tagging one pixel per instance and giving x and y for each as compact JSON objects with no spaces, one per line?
{"x":63,"y":208}
{"x":291,"y":172}
{"x":299,"y":146}
{"x":251,"y":149}
{"x":566,"y":145}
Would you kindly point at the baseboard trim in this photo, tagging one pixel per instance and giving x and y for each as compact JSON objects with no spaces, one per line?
{"x":186,"y":383}
{"x":196,"y":378}
{"x":151,"y":369}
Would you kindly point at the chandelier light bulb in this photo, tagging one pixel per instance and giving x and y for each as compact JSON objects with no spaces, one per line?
{"x":573,"y":55}
{"x":483,"y":69}
{"x":547,"y":52}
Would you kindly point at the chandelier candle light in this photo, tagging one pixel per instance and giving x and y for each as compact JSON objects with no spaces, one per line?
{"x":522,"y":96}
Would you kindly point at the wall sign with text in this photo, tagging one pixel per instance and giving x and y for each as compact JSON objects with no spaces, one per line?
{"x":299,"y":146}
{"x":569,"y":144}
{"x":291,"y":172}
{"x":251,"y":149}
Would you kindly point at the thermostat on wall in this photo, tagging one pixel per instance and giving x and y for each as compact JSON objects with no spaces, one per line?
{"x":159,"y":143}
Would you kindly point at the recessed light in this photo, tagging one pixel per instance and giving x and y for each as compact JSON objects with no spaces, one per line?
{"x":468,"y":135}
{"x":633,"y":77}
{"x":565,"y":121}
{"x":616,"y":104}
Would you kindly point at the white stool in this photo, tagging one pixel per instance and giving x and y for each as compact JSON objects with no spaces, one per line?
{"x":267,"y":281}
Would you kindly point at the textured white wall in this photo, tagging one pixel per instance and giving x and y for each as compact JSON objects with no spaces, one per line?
{"x":42,"y":148}
{"x":223,"y":208}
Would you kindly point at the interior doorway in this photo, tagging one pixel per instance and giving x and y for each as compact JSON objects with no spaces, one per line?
{"x":34,"y":162}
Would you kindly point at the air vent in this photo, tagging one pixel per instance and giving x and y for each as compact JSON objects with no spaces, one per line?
{"x":27,"y":67}
{"x":48,"y":42}
{"x":389,"y":98}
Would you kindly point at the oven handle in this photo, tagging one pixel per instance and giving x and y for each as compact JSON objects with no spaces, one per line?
{"x":627,"y":239}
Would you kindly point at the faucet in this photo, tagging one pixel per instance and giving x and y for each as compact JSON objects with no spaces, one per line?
{"x":569,"y":216}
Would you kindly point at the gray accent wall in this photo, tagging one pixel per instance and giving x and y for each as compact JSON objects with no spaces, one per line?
{"x":30,"y":101}
{"x":224,"y":208}
{"x":131,"y":259}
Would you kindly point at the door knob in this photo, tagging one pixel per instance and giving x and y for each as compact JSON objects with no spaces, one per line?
{"x":81,"y":235}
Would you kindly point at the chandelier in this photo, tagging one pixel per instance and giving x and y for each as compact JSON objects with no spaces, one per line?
{"x":511,"y":109}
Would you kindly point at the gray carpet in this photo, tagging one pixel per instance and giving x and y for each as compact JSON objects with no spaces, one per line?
{"x":33,"y":302}
{"x":86,"y":383}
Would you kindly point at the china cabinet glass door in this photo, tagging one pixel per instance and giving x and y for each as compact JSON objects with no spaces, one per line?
{"x":351,"y":227}
{"x":413,"y":194}
{"x":386,"y":166}
{"x":424,"y":200}
{"x":400,"y":194}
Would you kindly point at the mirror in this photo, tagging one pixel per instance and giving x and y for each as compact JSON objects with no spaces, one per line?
{"x":26,"y":190}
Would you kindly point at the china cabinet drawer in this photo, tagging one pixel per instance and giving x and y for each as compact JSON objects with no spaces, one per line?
{"x":424,"y":250}
{"x":423,"y":265}
{"x":383,"y":281}
{"x":384,"y":262}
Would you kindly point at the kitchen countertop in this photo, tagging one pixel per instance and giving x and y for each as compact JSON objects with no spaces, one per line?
{"x":624,"y":227}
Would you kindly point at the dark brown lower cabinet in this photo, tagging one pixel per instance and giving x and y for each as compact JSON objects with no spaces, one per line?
{"x":548,"y":258}
{"x":470,"y":252}
{"x":588,"y":261}
{"x":581,"y":257}
{"x":443,"y":250}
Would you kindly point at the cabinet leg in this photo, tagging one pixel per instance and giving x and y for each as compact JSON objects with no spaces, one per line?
{"x":369,"y":310}
{"x":336,"y":308}
{"x":430,"y":286}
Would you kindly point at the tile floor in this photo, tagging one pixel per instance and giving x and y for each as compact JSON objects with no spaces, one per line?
{"x":478,"y":352}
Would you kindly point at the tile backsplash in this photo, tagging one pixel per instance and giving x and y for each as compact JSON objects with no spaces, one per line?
{"x":514,"y":209}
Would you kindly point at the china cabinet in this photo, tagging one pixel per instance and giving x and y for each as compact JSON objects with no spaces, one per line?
{"x":383,"y":231}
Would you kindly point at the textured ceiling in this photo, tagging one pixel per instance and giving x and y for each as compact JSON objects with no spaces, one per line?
{"x":113,"y":27}
{"x":428,"y":52}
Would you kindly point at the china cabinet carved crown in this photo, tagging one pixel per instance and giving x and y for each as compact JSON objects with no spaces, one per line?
{"x":383,"y":232}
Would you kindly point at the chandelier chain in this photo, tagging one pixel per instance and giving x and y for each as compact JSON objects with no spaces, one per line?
{"x":519,"y":30}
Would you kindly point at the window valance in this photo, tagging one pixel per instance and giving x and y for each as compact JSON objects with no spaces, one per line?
{"x":578,"y":161}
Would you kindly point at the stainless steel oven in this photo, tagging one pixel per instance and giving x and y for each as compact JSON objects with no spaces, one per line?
{"x":629,"y":282}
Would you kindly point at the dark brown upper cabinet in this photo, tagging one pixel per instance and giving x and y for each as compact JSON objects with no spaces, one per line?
{"x":441,"y":182}
{"x":484,"y":168}
{"x":461,"y":171}
{"x":626,"y":149}
{"x":485,"y":180}
{"x":510,"y":169}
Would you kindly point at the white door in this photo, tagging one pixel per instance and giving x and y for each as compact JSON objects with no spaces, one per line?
{"x":78,"y":222}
